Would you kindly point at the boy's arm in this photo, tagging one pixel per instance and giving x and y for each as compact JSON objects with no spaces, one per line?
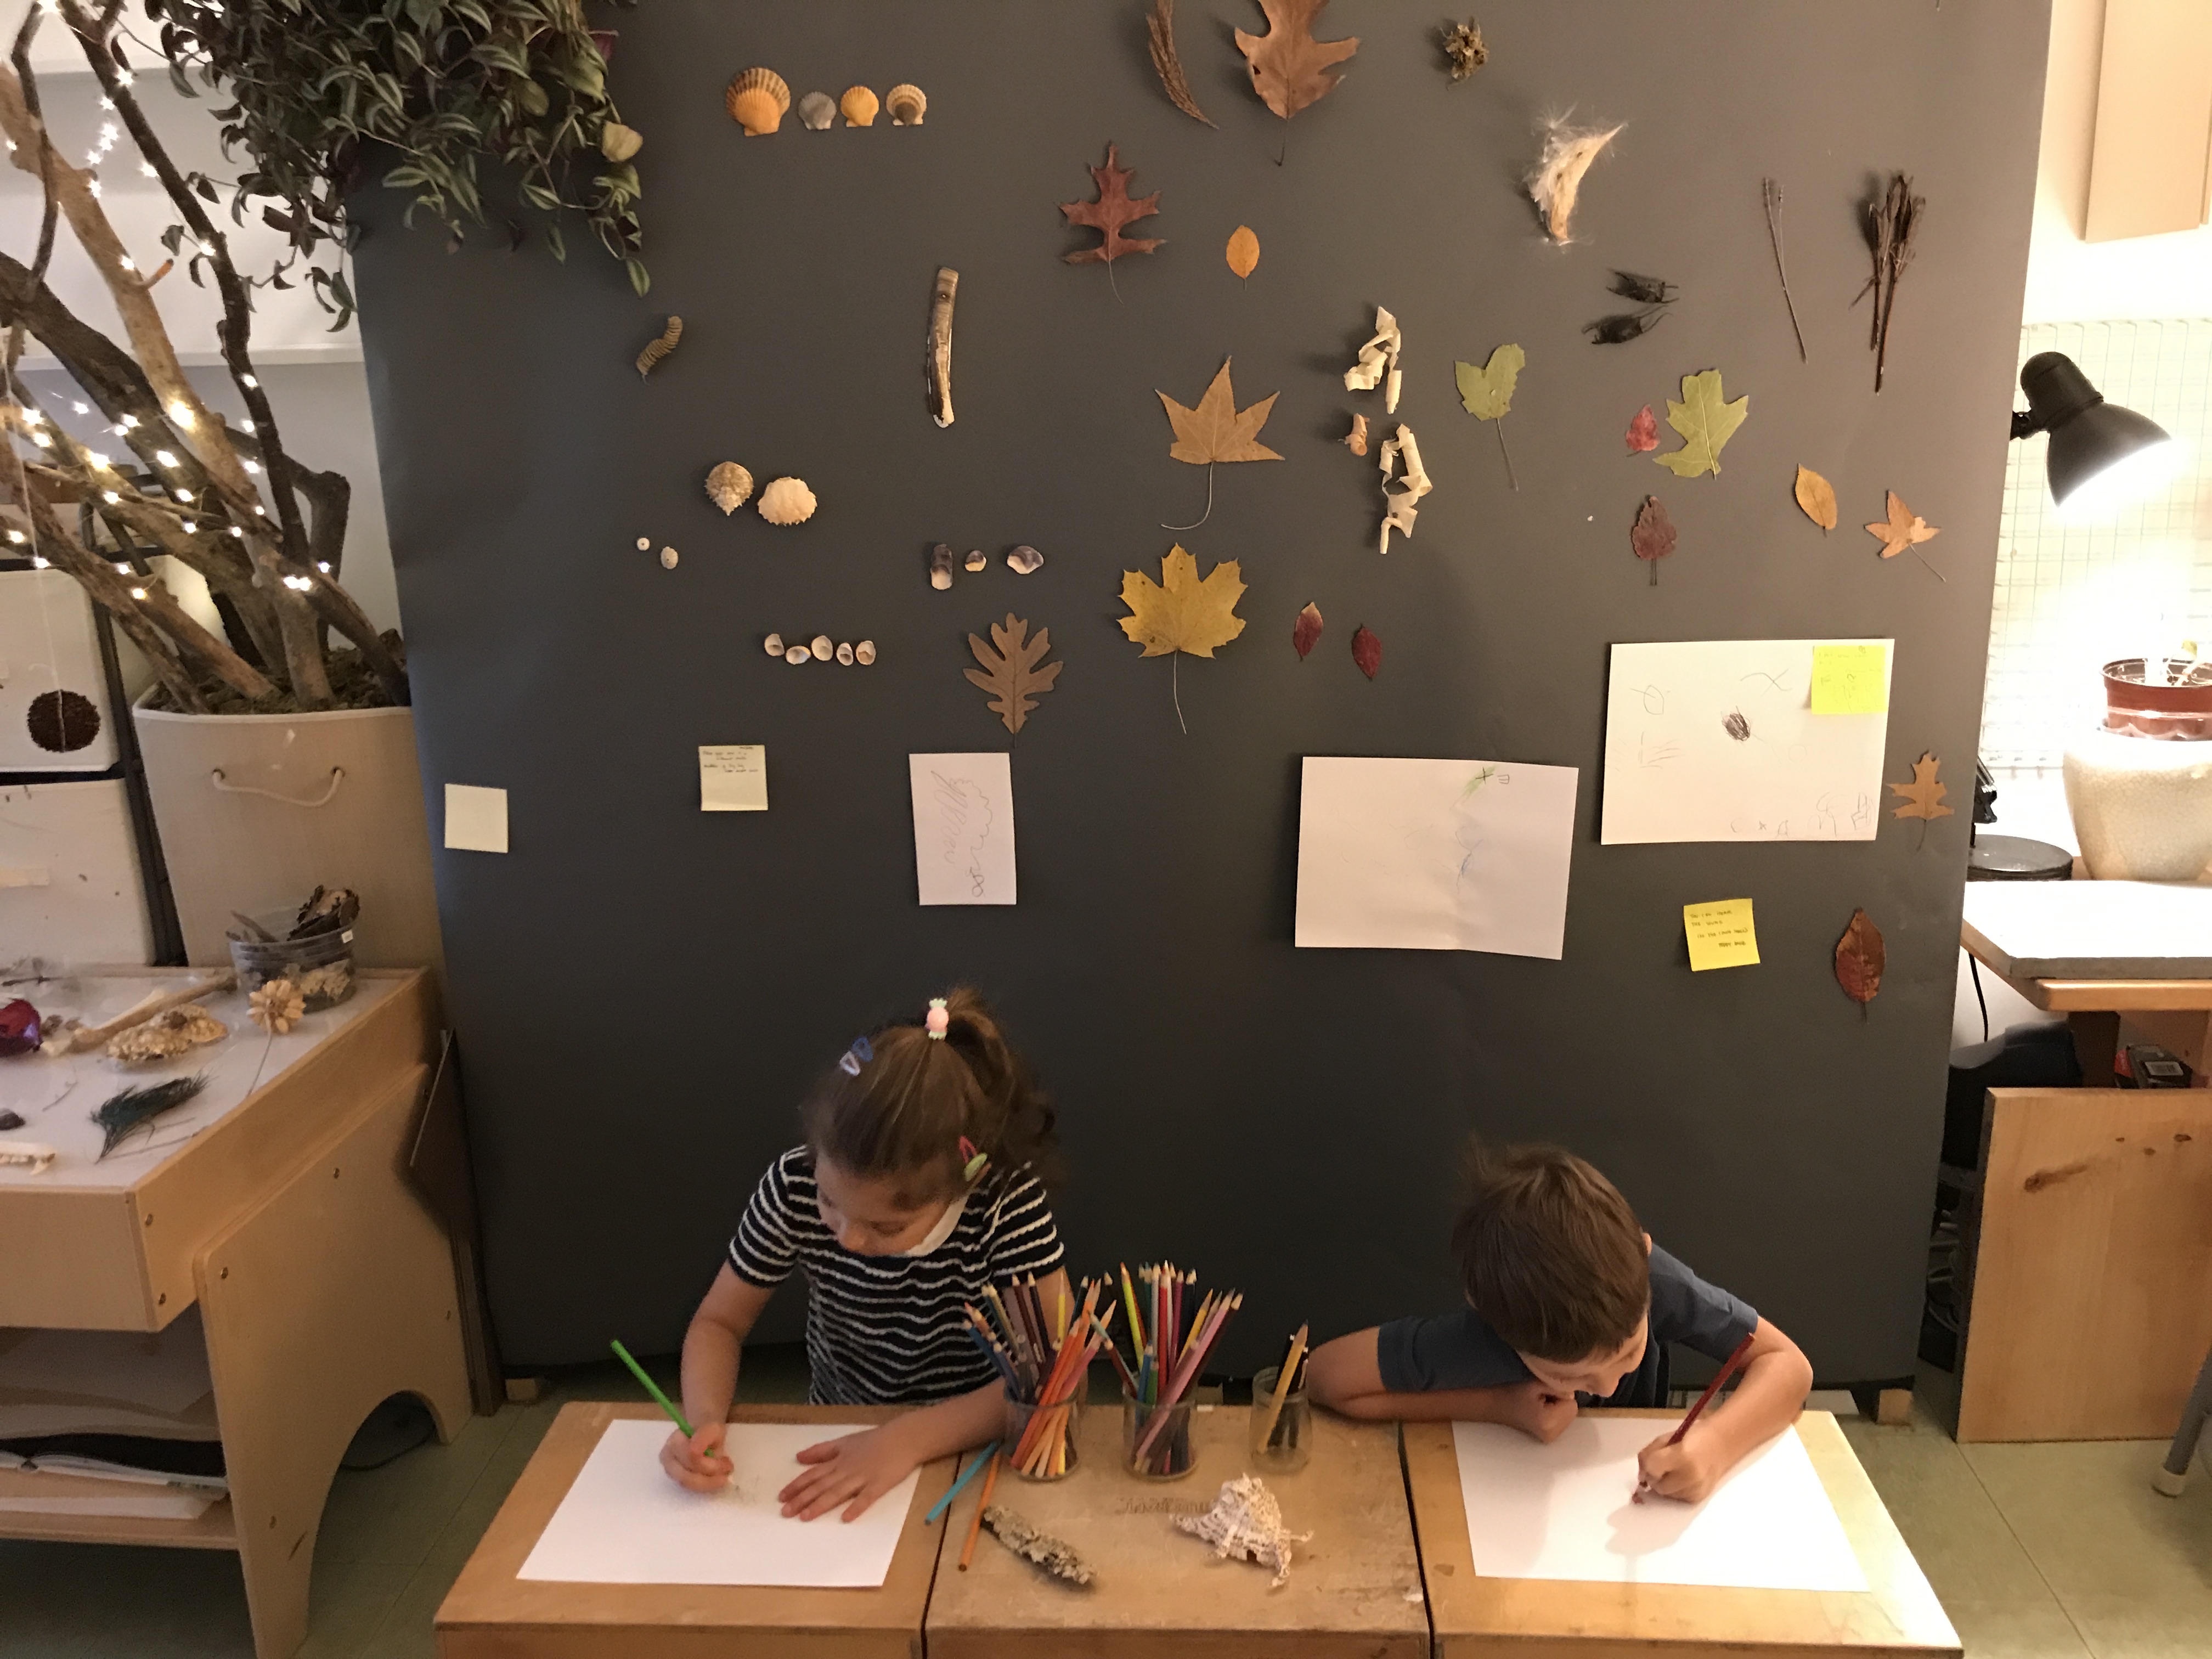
{"x":1346,"y":1377}
{"x":1766,"y":1400}
{"x":711,"y":1344}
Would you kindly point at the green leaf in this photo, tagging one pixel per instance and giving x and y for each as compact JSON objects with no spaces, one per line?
{"x":1706,"y":423}
{"x":1487,"y":392}
{"x":638,"y":280}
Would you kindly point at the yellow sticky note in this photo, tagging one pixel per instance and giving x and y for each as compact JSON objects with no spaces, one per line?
{"x":732,"y":777}
{"x":1721,"y":935}
{"x":475,"y":818}
{"x":1850,"y":679}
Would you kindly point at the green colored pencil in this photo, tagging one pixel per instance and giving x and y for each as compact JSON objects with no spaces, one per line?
{"x":665,"y":1403}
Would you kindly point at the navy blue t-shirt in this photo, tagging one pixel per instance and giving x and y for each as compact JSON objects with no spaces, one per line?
{"x":1460,"y":1351}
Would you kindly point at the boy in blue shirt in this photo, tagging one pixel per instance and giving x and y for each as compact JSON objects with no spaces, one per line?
{"x":1569,"y":1304}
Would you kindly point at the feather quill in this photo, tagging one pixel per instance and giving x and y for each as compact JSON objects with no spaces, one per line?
{"x":1556,"y":178}
{"x":118,"y":1115}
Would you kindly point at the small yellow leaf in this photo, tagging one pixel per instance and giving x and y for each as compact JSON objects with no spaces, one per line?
{"x":1243,"y":251}
{"x":1817,"y":496}
{"x":1179,"y":612}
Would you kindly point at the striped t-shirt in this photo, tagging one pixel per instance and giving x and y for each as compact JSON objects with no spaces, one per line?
{"x":890,"y":1330}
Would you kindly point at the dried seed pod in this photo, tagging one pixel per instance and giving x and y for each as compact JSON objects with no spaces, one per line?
{"x":844,"y":655}
{"x":758,"y":100}
{"x":858,"y":106}
{"x":786,"y":500}
{"x":940,"y":567}
{"x":816,"y":110}
{"x":649,"y":359}
{"x":618,"y":142}
{"x":864,"y":652}
{"x":906,"y":105}
{"x":975,"y":560}
{"x":773,"y":645}
{"x":1356,"y":439}
{"x":824,"y":650}
{"x":797,"y":654}
{"x":729,"y":486}
{"x":1025,"y":560}
{"x":668,"y":557}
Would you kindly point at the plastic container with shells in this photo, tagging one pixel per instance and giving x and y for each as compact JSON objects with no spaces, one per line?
{"x":319,"y":964}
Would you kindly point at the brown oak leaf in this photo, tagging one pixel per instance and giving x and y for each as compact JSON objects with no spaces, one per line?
{"x":1904,"y":528}
{"x":1011,"y":672}
{"x":1860,"y":959}
{"x":1114,"y":210}
{"x":1924,"y":796}
{"x":1217,"y":430}
{"x":1305,"y":632}
{"x":1366,"y":651}
{"x":1290,"y":67}
{"x":1653,"y":536}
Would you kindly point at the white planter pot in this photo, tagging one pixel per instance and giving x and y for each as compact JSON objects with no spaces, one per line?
{"x":2142,"y":806}
{"x":255,"y":810}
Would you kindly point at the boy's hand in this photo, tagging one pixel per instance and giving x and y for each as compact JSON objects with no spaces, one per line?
{"x":859,"y":1467}
{"x":1537,"y":1412}
{"x":1686,"y":1471}
{"x":699,"y":1462}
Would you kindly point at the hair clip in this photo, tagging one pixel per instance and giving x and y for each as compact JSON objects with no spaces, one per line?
{"x":855,"y":1057}
{"x":974,"y":1161}
{"x":939,"y":1021}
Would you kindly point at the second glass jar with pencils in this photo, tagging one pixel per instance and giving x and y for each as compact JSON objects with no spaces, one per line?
{"x":1156,"y":1443}
{"x":1282,"y":1428}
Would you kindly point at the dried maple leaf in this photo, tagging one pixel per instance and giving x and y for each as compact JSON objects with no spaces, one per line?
{"x":1179,"y":612}
{"x":1642,"y":435}
{"x":1216,"y":430}
{"x":1924,"y":796}
{"x":1860,"y":959}
{"x":1904,"y":528}
{"x":1706,"y":422}
{"x":1114,"y":209}
{"x":1305,"y":632}
{"x":1011,"y":672}
{"x":1290,"y":67}
{"x":1817,"y":496}
{"x":1366,"y":651}
{"x":1653,"y":537}
{"x":1243,"y":252}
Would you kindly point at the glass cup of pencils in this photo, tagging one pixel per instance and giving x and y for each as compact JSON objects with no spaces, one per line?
{"x":1156,"y":1441}
{"x":1282,"y":1423}
{"x":1043,"y":1440}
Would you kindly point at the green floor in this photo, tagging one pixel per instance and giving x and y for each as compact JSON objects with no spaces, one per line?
{"x":2037,"y":1552}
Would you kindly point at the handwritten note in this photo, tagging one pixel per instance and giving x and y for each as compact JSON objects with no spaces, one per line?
{"x":1721,"y":935}
{"x":475,"y":818}
{"x":963,"y":828}
{"x":1850,"y":679}
{"x":732,"y":777}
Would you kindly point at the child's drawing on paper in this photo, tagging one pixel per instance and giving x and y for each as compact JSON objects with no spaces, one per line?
{"x":963,"y":828}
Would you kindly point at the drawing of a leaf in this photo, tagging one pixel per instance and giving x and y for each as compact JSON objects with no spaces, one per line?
{"x":1817,"y":497}
{"x":1706,"y":421}
{"x":1010,"y":672}
{"x":1486,"y":392}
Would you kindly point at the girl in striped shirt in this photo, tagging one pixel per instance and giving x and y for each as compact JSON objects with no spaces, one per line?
{"x":920,"y":1182}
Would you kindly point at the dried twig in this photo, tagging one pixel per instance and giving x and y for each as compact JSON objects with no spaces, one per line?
{"x":1771,"y":190}
{"x":1892,"y":224}
{"x":1168,"y":65}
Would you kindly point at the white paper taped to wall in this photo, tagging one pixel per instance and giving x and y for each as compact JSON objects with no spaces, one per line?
{"x":475,"y":818}
{"x":1716,"y":740}
{"x":963,"y":828}
{"x":1434,"y":854}
{"x":624,"y":1522}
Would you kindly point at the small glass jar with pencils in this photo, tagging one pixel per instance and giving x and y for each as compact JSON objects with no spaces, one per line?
{"x":1042,"y":1354}
{"x":1171,"y":1338}
{"x":1282,"y":1417}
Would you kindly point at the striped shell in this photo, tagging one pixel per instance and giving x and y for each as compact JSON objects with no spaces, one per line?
{"x":816,"y":110}
{"x":758,"y":100}
{"x":906,"y":104}
{"x":729,"y":486}
{"x":858,"y":106}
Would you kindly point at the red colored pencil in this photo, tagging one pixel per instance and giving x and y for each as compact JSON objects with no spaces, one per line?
{"x":1729,"y":1366}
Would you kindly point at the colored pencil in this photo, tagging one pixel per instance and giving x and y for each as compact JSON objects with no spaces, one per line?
{"x":662,"y":1400}
{"x":975,"y":1523}
{"x":1729,"y":1368}
{"x":1283,"y":1381}
{"x":975,"y":1465}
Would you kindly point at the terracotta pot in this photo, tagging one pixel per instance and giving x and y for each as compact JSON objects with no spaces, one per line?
{"x":2158,"y":709}
{"x":254,"y":810}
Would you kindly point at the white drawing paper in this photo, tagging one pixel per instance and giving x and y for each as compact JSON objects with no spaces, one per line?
{"x":732,"y":777}
{"x":1434,"y":855}
{"x":1716,"y":740}
{"x":1564,"y":1512}
{"x":624,"y":1522}
{"x":963,"y":828}
{"x":475,"y":818}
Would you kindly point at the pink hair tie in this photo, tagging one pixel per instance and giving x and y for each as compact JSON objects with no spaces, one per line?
{"x":939,"y":1021}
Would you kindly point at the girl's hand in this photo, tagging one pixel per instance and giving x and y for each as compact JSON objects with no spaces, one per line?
{"x":1686,"y":1472}
{"x":698,"y":1463}
{"x":855,"y":1470}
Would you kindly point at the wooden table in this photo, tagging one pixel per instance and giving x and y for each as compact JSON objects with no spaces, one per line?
{"x":1478,"y":1618}
{"x":324,"y":1284}
{"x":490,"y":1613}
{"x":1354,"y":1589}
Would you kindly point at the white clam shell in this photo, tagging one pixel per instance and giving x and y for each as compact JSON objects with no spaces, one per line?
{"x":824,"y":650}
{"x":786,"y":500}
{"x":773,"y":645}
{"x":845,"y":656}
{"x":797,"y":654}
{"x":864,"y":652}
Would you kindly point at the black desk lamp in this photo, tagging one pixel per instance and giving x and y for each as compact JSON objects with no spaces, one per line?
{"x":2090,"y":438}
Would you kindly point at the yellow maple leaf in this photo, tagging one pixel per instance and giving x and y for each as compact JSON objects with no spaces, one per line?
{"x":1179,"y":612}
{"x":1924,"y":796}
{"x":1215,"y":431}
